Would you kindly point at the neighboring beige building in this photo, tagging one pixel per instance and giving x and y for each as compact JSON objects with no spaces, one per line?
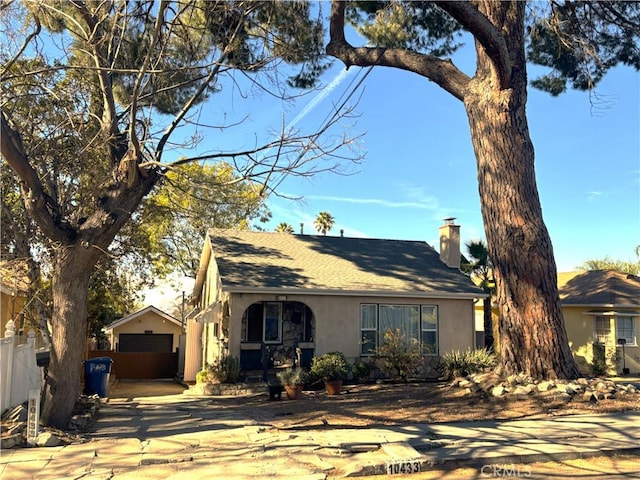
{"x":323,"y":293}
{"x":14,"y":285}
{"x":147,"y":330}
{"x":601,"y":308}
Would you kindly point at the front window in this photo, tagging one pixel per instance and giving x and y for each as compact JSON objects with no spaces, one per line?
{"x":429,"y":332}
{"x":416,"y":323}
{"x":272,"y":322}
{"x":277,"y":322}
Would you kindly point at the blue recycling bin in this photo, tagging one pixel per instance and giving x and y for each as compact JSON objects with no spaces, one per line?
{"x":96,"y":376}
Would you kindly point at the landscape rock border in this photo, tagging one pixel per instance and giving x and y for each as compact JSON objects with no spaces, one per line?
{"x":520,"y":386}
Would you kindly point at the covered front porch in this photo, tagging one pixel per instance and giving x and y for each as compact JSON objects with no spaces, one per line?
{"x":276,"y":334}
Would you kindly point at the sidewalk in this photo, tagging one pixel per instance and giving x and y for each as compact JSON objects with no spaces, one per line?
{"x":181,"y":437}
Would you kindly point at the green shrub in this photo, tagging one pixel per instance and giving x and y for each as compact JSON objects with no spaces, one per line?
{"x":292,"y":376}
{"x":604,"y":360}
{"x":361,"y":370}
{"x":225,"y":370}
{"x":461,"y":364}
{"x":399,"y":357}
{"x":201,"y":376}
{"x":330,"y":366}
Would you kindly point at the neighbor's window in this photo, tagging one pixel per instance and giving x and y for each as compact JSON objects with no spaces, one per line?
{"x":415,"y":322}
{"x":603,"y":330}
{"x":626,"y":329}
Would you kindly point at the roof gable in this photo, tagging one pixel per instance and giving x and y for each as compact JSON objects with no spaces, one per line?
{"x":133,"y":316}
{"x":271,"y":260}
{"x":599,"y":287}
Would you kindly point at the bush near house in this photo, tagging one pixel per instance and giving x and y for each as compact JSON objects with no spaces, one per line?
{"x":361,"y":370}
{"x":398,"y":357}
{"x":225,"y":370}
{"x":461,"y":364}
{"x":292,"y":376}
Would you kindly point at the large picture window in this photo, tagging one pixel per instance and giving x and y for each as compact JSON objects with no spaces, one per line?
{"x":415,"y":322}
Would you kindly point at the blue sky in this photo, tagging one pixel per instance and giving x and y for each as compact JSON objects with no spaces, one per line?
{"x":419,"y":166}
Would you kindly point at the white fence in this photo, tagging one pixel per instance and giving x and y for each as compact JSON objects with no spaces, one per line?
{"x":19,"y":371}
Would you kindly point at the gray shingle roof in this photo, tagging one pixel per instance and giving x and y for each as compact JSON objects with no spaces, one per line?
{"x":599,"y":287}
{"x":266,"y":260}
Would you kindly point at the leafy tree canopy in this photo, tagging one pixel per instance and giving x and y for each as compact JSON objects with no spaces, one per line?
{"x":174,"y":219}
{"x":606,"y":263}
{"x":577,"y":41}
{"x":324,"y":222}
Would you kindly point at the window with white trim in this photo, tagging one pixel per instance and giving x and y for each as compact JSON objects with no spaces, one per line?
{"x":263,"y":323}
{"x":609,"y":328}
{"x":603,"y":329}
{"x":415,"y":322}
{"x":272,"y":322}
{"x":368,"y":329}
{"x":626,"y":327}
{"x":429,"y":330}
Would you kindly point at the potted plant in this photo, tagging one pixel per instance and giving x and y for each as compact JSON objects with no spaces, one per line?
{"x":333,"y":369}
{"x":293,"y":379}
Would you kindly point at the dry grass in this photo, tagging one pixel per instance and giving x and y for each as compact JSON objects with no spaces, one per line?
{"x":399,"y":404}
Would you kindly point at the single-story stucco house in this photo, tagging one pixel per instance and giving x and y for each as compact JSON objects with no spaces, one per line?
{"x":601,"y":312}
{"x":297,"y":296}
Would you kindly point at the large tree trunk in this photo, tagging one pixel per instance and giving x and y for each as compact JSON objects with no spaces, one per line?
{"x":70,"y":285}
{"x":533,"y":338}
{"x":488,"y":323}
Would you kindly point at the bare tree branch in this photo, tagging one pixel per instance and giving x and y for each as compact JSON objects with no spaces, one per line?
{"x":442,"y":72}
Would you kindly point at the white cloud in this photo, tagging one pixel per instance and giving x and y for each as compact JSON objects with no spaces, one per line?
{"x":591,"y":196}
{"x":375,"y":201}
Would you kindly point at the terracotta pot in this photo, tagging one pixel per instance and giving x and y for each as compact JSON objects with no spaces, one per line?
{"x":293,"y":391}
{"x":333,"y":387}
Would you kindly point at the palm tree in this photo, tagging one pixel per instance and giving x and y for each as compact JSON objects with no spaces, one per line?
{"x":284,"y":228}
{"x":480,"y":270}
{"x":323,"y":222}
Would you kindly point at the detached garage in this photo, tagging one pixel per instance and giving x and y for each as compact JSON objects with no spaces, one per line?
{"x":145,"y":344}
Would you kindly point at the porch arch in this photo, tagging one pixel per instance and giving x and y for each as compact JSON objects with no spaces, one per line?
{"x":281,"y":331}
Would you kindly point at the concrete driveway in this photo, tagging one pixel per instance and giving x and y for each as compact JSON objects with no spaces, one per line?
{"x":130,"y":389}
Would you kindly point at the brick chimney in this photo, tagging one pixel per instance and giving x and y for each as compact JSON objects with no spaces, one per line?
{"x":450,"y":243}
